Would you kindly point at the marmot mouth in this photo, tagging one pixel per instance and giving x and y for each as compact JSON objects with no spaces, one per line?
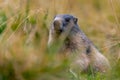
{"x":59,"y":31}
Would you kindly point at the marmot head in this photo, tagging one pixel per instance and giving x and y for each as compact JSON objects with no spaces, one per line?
{"x":63,"y":23}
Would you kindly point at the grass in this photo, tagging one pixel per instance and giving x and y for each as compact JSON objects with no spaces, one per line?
{"x":24,"y":26}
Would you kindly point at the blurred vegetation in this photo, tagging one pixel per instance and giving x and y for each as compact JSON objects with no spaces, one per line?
{"x":24,"y":26}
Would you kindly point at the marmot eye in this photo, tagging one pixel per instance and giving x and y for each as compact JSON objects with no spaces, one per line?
{"x":67,"y":19}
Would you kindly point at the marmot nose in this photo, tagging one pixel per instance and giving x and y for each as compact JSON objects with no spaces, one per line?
{"x":57,"y":24}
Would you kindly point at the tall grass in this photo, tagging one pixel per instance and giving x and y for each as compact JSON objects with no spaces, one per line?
{"x":24,"y":26}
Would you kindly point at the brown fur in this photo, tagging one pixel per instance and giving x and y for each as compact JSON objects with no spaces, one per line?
{"x":83,"y":53}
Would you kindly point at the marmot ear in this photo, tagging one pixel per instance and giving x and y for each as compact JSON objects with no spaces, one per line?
{"x":75,"y":20}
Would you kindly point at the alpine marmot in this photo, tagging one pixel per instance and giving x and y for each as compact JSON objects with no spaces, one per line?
{"x":85,"y":55}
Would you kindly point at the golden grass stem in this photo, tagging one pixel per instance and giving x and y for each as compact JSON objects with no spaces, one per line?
{"x":115,"y":15}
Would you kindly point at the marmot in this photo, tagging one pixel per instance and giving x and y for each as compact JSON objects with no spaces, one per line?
{"x":74,"y":42}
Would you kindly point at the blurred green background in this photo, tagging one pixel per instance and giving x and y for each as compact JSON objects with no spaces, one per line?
{"x":24,"y":26}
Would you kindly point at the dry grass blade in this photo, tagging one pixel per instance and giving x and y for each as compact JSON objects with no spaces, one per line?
{"x":115,"y":15}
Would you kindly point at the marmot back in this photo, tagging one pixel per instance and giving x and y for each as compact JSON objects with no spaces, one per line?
{"x":74,"y":42}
